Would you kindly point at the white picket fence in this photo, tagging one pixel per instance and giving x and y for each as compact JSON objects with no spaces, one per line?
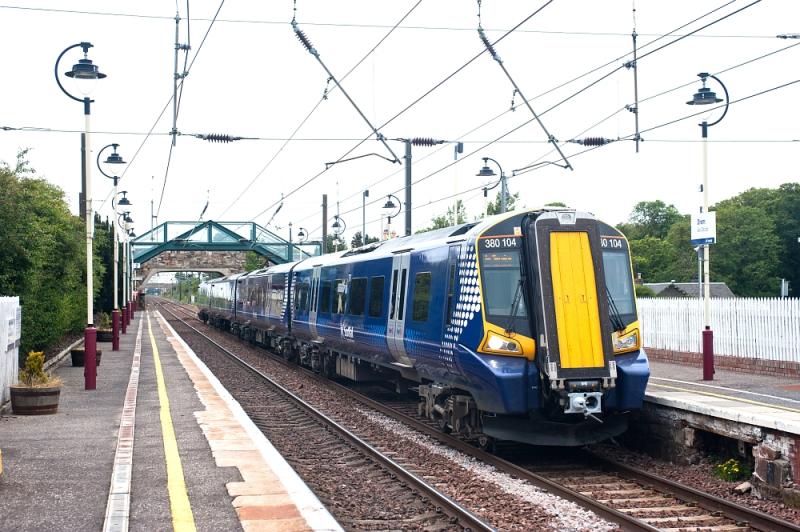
{"x":761,"y":328}
{"x":10,"y":329}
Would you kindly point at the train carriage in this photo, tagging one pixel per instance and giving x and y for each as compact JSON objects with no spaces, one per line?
{"x":519,"y":327}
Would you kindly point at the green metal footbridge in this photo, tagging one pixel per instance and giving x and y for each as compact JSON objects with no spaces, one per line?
{"x":219,"y":236}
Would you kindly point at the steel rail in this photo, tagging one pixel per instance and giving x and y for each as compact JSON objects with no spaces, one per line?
{"x":445,"y":503}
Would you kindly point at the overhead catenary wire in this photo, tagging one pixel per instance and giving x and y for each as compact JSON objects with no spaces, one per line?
{"x":591,"y":84}
{"x":316,"y":106}
{"x":592,"y":148}
{"x":362,"y":25}
{"x":402,"y":111}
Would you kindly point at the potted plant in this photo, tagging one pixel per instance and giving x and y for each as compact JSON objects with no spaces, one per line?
{"x":37,"y":392}
{"x":104,"y":331}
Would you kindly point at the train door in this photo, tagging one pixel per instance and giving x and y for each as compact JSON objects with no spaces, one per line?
{"x":395,"y":328}
{"x":314,"y":303}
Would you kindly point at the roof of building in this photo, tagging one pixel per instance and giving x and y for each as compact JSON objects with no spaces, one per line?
{"x":688,"y":289}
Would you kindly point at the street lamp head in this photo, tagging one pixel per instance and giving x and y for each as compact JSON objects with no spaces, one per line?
{"x":131,"y":234}
{"x":85,"y":72}
{"x":301,"y":235}
{"x":114,"y":158}
{"x":704,"y":95}
{"x":486,"y":171}
{"x":127,"y":217}
{"x":389,"y":203}
{"x":124,"y":201}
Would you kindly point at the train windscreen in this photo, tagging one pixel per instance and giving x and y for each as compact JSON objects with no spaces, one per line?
{"x":503,"y":290}
{"x":619,"y":284}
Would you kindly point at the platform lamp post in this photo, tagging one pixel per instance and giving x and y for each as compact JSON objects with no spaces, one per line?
{"x":128,"y":268}
{"x":132,"y":299}
{"x":124,"y":219}
{"x":364,"y":196}
{"x":388,"y":206}
{"x":705,"y":96}
{"x":115,"y":319}
{"x":86,"y":73}
{"x":488,"y":172}
{"x":338,"y":227}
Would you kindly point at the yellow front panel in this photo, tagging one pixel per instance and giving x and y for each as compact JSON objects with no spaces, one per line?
{"x":575,"y":295}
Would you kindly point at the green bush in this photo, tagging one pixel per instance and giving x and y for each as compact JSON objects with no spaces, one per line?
{"x":44,"y":257}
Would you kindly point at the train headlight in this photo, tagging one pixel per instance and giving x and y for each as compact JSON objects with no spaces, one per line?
{"x":624,"y":343}
{"x":496,"y":343}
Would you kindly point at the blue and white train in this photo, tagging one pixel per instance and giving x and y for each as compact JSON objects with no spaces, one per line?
{"x":521,"y":326}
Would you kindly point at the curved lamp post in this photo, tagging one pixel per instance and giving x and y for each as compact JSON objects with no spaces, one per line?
{"x":302,"y":235}
{"x":86,"y":73}
{"x":705,"y":96}
{"x":387,"y":206}
{"x":114,"y":159}
{"x":488,"y":172}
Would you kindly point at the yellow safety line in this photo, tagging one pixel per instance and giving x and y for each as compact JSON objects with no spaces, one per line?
{"x":730,"y":397}
{"x":182,"y":518}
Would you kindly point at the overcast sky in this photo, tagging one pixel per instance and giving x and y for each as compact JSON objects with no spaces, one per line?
{"x":253,"y":78}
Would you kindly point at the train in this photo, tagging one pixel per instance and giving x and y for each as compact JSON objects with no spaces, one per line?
{"x":518,"y":327}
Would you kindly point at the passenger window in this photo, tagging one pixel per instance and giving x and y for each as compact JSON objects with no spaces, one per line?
{"x":401,"y":307}
{"x":339,"y":296}
{"x":394,"y":295}
{"x":325,"y":303}
{"x":358,"y":294}
{"x":376,"y":297}
{"x":451,"y":287}
{"x":422,"y":296}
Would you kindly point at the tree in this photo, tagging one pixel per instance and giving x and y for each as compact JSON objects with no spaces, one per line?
{"x":650,"y":218}
{"x":448,"y":220}
{"x":494,"y":206}
{"x":357,"y":241}
{"x":254,"y":261}
{"x":747,"y":253}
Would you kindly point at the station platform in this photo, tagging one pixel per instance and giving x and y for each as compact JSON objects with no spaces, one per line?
{"x":159,"y":445}
{"x":763,"y":401}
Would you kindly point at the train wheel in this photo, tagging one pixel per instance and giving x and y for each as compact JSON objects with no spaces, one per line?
{"x":486,"y":443}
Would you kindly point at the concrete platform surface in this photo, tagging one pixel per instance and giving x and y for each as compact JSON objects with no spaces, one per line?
{"x":160,"y":444}
{"x":760,"y":400}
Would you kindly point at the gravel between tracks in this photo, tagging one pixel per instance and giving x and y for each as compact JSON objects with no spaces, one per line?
{"x":507,"y":503}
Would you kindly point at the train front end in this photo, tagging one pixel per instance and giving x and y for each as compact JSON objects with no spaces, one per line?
{"x":557,"y":292}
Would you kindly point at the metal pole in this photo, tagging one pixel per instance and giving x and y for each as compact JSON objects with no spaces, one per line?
{"x":290,"y":255}
{"x":82,"y":194}
{"x":364,"y":196}
{"x":408,"y":186}
{"x":115,"y":312}
{"x":90,"y":334}
{"x":125,"y":317}
{"x":503,"y":192}
{"x":324,"y":222}
{"x":708,"y":335}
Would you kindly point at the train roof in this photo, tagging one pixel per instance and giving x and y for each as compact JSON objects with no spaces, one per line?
{"x":388,"y":248}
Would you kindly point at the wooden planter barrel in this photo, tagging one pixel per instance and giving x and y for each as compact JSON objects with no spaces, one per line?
{"x":104,"y":335}
{"x":34,"y":401}
{"x":78,"y":355}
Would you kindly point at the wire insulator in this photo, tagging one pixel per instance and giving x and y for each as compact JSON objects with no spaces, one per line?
{"x":425,"y":141}
{"x":488,"y":45}
{"x":594,"y":141}
{"x":218,"y":137}
{"x":303,"y":39}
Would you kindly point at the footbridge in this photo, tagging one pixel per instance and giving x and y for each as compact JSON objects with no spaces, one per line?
{"x":211,"y":247}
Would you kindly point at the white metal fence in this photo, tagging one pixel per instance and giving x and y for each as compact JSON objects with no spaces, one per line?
{"x":761,"y":328}
{"x":10,"y":329}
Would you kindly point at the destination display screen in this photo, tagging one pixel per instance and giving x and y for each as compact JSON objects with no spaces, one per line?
{"x":500,"y":259}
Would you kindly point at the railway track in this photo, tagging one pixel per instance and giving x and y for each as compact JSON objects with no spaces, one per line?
{"x":332,"y":456}
{"x":630,"y":497}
